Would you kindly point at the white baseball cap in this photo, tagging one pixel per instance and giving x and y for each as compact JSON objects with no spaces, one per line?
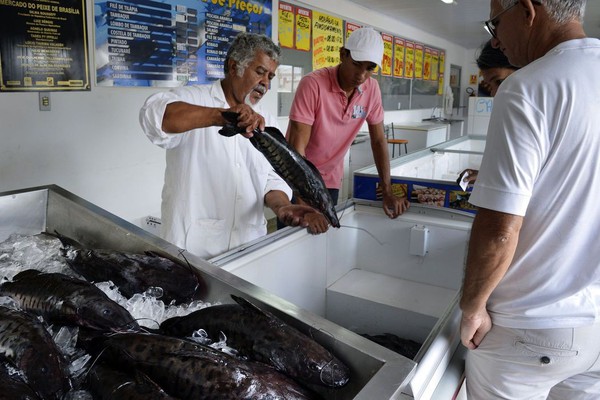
{"x":365,"y":44}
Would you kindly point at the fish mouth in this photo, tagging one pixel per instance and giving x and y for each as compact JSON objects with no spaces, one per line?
{"x":335,"y":374}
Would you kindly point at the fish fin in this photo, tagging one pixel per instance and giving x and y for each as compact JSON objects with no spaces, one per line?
{"x":228,"y":131}
{"x":26,"y":274}
{"x":312,"y":166}
{"x":231,"y":128}
{"x":249,"y":306}
{"x":276,"y":134}
{"x":151,"y":253}
{"x":66,"y":241}
{"x":230,"y":116}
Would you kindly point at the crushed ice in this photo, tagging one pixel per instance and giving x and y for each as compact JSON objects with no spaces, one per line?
{"x":201,"y":337}
{"x":43,"y":252}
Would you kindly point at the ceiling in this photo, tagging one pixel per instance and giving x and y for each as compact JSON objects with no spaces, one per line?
{"x":461,"y":22}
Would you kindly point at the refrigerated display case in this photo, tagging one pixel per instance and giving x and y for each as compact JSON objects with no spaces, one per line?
{"x":429,"y":176}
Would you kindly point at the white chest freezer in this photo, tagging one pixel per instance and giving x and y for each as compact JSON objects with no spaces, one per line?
{"x":374,"y":276}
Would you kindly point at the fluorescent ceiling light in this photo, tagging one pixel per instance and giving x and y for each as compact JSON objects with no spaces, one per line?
{"x":448,"y":1}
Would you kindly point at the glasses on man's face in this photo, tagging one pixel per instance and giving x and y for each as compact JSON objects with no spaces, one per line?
{"x":490,"y":24}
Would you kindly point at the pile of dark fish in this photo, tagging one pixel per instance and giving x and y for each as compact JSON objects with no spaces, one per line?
{"x":273,"y":361}
{"x":406,"y":347}
{"x":299,"y":173}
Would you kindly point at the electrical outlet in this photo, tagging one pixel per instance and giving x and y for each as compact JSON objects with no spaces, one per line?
{"x":44,"y":101}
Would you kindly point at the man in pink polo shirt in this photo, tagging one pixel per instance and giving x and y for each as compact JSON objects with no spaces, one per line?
{"x":330,"y":106}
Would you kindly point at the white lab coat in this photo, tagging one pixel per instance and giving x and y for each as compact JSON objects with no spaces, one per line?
{"x":213,"y":194}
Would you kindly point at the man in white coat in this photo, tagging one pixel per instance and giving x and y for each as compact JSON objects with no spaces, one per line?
{"x":215,"y":186}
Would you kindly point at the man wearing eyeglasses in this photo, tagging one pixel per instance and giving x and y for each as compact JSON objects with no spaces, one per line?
{"x":531,"y":292}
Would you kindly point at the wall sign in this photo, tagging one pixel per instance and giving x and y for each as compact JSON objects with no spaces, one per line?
{"x":43,"y":45}
{"x":168,"y":42}
{"x":328,"y":37}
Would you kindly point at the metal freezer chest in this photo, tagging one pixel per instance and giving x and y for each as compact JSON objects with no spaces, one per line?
{"x":314,"y":283}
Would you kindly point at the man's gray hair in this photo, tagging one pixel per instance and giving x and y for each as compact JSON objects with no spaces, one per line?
{"x":561,"y":11}
{"x":244,"y":47}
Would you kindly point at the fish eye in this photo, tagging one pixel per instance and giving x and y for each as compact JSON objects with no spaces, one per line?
{"x":106,"y":311}
{"x":313,"y":366}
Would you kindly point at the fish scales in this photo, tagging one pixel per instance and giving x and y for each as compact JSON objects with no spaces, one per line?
{"x":190,"y":370}
{"x":14,"y":383}
{"x":299,"y":173}
{"x":26,"y":343}
{"x":62,"y":299}
{"x":106,"y":383}
{"x":261,"y":336}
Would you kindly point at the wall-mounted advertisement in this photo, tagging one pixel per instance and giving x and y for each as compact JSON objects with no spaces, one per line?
{"x":170,"y":43}
{"x":399,"y":48}
{"x":328,"y":37}
{"x":43,"y":46}
{"x":286,"y":25}
{"x":388,"y":52}
{"x":419,"y":58}
{"x":303,"y":29}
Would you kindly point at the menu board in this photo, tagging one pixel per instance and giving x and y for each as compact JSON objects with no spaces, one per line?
{"x":43,"y":45}
{"x":171,"y":43}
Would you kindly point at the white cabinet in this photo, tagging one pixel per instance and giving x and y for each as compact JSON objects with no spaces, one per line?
{"x":421,"y":135}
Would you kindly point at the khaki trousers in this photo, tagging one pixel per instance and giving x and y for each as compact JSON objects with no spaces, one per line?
{"x":532,"y":364}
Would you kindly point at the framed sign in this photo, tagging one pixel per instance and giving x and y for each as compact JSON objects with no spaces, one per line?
{"x":43,"y":45}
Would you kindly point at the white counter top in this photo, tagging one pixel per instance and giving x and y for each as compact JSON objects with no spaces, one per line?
{"x":420,"y":126}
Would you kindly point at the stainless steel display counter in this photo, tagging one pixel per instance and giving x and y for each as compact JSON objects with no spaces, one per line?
{"x":376,"y":372}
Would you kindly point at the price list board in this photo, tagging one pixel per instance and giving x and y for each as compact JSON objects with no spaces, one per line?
{"x":43,"y":45}
{"x":171,"y":43}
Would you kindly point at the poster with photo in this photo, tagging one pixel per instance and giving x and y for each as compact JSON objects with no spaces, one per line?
{"x":428,"y":195}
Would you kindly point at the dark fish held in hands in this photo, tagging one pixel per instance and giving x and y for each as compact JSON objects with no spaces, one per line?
{"x":25,"y":342}
{"x":134,"y":273}
{"x":189,"y":370}
{"x":299,"y":173}
{"x":261,"y":336}
{"x":62,"y":299}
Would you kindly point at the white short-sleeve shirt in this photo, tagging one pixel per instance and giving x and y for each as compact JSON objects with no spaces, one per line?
{"x":542,"y":161}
